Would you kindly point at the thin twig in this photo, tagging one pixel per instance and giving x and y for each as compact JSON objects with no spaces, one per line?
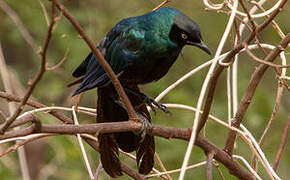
{"x":228,"y":58}
{"x":254,"y":146}
{"x":18,"y":144}
{"x":246,"y":100}
{"x":85,"y":156}
{"x":216,"y":164}
{"x":36,"y":104}
{"x":209,"y":161}
{"x":263,"y":61}
{"x":282,"y":144}
{"x":259,"y":15}
{"x":37,"y":77}
{"x":196,"y":124}
{"x":248,"y":15}
{"x":162,"y":4}
{"x":248,"y":166}
{"x":44,"y":12}
{"x":239,"y":19}
{"x":98,"y":170}
{"x":162,"y":165}
{"x":273,"y":116}
{"x":24,"y":32}
{"x":177,"y":170}
{"x":274,"y":24}
{"x":12,"y":107}
{"x":60,"y":62}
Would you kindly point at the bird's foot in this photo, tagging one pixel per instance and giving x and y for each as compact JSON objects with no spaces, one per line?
{"x":150,"y":102}
{"x":146,"y":126}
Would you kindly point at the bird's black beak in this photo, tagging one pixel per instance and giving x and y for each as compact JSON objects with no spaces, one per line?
{"x":201,"y":45}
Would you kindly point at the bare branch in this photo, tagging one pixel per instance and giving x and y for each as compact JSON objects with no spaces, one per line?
{"x":228,"y":58}
{"x":209,"y":162}
{"x":60,"y":62}
{"x":263,"y":61}
{"x":101,"y":60}
{"x":246,"y":100}
{"x":35,"y":104}
{"x":219,"y":170}
{"x":36,"y":79}
{"x":160,"y":163}
{"x":24,"y":32}
{"x":282,"y":144}
{"x":162,"y":4}
{"x":248,"y":15}
{"x":167,"y":132}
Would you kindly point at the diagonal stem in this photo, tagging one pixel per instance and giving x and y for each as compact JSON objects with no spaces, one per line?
{"x":282,"y":144}
{"x":131,"y":112}
{"x":246,"y":100}
{"x":37,"y":78}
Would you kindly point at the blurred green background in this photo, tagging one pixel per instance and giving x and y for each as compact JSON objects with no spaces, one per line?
{"x":60,"y":157}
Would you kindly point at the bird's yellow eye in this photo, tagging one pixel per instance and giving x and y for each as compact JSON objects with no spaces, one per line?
{"x":184,"y":36}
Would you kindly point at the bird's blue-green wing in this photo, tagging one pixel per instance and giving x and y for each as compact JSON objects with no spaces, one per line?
{"x":120,"y":47}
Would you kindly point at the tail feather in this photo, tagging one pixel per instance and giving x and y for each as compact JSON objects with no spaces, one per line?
{"x":145,"y":155}
{"x":108,"y":110}
{"x":127,"y":141}
{"x":110,"y":155}
{"x":146,"y":149}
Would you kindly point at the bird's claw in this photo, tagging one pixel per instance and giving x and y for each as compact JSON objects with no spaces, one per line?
{"x":146,"y":126}
{"x":149,"y":101}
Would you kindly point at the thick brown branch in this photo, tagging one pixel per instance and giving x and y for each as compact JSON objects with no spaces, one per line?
{"x":35,"y":104}
{"x":31,"y":129}
{"x":131,"y":172}
{"x":101,"y":60}
{"x":167,"y":132}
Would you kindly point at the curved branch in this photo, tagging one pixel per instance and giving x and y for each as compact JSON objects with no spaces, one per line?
{"x":246,"y":100}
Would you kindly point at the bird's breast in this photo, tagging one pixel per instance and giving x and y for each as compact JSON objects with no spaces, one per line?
{"x":149,"y":68}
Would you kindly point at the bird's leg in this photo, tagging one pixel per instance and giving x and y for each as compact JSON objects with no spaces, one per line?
{"x":149,"y":101}
{"x":146,"y":126}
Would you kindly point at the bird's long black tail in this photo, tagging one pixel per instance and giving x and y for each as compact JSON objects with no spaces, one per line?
{"x":110,"y":109}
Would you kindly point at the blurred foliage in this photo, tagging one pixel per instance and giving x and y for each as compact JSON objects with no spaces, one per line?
{"x":62,"y":157}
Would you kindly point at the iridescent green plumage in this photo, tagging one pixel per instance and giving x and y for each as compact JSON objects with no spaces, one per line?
{"x":140,"y":50}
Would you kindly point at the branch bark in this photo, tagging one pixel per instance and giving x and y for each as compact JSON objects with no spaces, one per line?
{"x":166,"y":132}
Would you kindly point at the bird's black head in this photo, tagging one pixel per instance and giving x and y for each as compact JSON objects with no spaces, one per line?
{"x":186,"y":32}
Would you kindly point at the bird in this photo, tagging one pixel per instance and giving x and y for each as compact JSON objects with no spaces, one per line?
{"x":140,"y":50}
